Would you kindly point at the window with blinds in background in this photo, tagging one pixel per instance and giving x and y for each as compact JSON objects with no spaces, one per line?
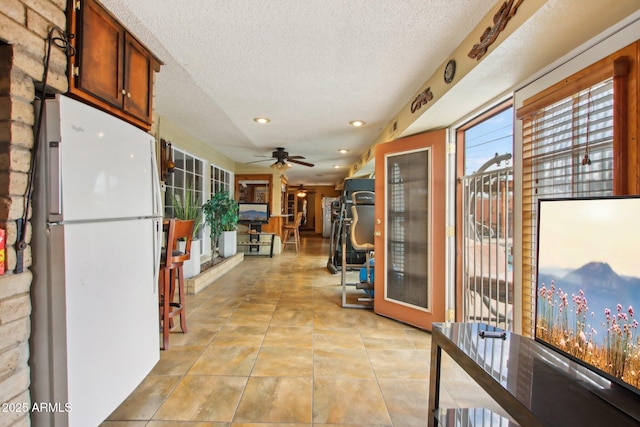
{"x":567,"y":152}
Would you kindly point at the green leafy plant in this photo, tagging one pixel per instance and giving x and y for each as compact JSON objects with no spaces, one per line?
{"x":188,"y":207}
{"x":221,"y":213}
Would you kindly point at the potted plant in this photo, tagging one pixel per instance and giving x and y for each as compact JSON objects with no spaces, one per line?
{"x":221,"y":213}
{"x":187,"y":208}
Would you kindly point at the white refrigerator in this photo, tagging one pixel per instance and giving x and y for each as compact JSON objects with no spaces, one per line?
{"x":96,"y":237}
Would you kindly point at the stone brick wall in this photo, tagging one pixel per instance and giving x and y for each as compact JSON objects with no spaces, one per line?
{"x":24,"y":26}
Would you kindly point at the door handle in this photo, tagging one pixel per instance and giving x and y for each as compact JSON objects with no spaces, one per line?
{"x":55,"y":179}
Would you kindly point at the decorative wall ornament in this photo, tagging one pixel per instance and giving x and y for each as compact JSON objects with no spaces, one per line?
{"x":422,"y":99}
{"x":500,"y":20}
{"x":166,"y":160}
{"x":449,"y":71}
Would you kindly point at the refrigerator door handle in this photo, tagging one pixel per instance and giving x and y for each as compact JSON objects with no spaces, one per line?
{"x":155,"y":182}
{"x":157,"y":247}
{"x":55,"y":184}
{"x":158,"y":208}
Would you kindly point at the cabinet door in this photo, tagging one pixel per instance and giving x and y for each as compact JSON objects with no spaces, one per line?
{"x":100,"y":54}
{"x":138,"y":75}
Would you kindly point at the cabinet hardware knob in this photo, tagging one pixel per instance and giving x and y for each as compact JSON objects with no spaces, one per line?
{"x":128,"y":94}
{"x":377,"y":234}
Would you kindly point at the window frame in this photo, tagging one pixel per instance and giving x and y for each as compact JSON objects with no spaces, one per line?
{"x":216,"y":184}
{"x":189,"y":170}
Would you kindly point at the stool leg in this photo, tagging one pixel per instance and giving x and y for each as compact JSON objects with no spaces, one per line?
{"x":286,"y":237}
{"x":296,"y":236}
{"x":183,"y":308}
{"x":172,"y":294}
{"x":166,"y":309}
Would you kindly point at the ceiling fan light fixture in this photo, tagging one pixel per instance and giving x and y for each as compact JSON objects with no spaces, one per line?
{"x":357,"y":123}
{"x":261,"y":120}
{"x":301,"y":193}
{"x":280,"y":165}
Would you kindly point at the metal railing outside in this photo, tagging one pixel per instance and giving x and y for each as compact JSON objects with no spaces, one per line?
{"x":487,"y":239}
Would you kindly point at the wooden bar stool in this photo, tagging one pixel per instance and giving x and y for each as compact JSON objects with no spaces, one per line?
{"x":171,"y":269}
{"x":292,"y":230}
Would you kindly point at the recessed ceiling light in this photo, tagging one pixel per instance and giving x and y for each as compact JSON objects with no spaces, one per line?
{"x":357,"y":123}
{"x":336,"y":166}
{"x":343,"y":151}
{"x":261,"y":120}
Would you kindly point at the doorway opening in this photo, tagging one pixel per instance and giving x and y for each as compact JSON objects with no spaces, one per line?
{"x":485,"y":218}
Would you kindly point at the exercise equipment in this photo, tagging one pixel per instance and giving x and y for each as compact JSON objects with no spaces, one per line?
{"x":359,"y":228}
{"x":341,"y":212}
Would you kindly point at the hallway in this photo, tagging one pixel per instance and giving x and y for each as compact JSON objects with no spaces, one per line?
{"x":269,"y":345}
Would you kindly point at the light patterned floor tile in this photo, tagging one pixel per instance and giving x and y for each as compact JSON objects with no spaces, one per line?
{"x":276,"y":400}
{"x":225,"y":360}
{"x":203,"y":398}
{"x":346,"y":400}
{"x":282,"y":361}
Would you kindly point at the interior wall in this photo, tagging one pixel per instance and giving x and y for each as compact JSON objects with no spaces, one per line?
{"x":183,"y":139}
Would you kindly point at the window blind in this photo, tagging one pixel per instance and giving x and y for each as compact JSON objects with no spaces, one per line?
{"x":567,"y":152}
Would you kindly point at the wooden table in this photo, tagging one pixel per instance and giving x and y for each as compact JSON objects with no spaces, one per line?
{"x":535,"y":385}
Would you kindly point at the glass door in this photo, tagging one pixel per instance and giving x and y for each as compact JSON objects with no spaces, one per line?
{"x":410,"y":229}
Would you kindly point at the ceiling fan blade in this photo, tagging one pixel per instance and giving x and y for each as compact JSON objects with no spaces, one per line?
{"x":296,"y":157}
{"x":258,"y":161}
{"x":299,"y":162}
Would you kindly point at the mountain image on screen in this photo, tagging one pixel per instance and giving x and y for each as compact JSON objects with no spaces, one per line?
{"x":253,"y":216}
{"x":599,"y":285}
{"x":588,"y":313}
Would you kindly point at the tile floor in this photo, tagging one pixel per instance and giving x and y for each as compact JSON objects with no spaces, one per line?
{"x":269,"y":345}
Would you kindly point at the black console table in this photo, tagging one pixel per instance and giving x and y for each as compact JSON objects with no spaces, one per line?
{"x":533,"y":384}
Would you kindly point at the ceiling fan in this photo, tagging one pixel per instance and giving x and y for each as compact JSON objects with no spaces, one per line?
{"x":282,"y":158}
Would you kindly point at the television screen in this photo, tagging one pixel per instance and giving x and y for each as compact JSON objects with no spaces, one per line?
{"x":588,"y":283}
{"x":255,"y":213}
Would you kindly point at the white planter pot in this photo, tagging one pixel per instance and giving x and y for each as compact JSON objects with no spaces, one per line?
{"x":227,"y":244}
{"x":191,"y":267}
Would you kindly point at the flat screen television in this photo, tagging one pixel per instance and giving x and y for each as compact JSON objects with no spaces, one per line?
{"x":253,"y":213}
{"x":588,"y":283}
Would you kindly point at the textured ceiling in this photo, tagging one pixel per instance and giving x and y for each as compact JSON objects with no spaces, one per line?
{"x":310,"y":66}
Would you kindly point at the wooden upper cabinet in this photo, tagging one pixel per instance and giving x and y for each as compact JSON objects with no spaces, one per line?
{"x":138,"y":78}
{"x":111,"y":69}
{"x":99,"y":55}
